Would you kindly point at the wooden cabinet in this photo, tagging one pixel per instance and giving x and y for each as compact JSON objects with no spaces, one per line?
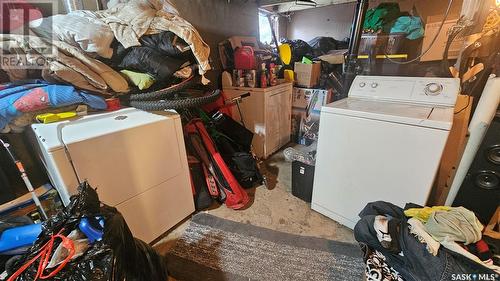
{"x":267,"y":113}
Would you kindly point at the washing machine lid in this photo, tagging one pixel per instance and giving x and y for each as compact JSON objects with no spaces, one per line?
{"x":404,"y":113}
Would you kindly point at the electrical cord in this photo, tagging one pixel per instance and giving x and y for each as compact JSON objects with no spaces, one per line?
{"x":432,"y":42}
{"x":445,"y":64}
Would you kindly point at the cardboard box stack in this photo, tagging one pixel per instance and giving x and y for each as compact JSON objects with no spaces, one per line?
{"x":437,"y":49}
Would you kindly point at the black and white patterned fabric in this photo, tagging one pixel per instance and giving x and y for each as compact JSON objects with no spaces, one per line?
{"x":378,"y":270}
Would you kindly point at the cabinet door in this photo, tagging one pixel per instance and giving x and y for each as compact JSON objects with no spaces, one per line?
{"x":273,"y":123}
{"x":252,"y":109}
{"x":285,"y":111}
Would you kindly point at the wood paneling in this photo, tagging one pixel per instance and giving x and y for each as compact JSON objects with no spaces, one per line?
{"x":452,"y":151}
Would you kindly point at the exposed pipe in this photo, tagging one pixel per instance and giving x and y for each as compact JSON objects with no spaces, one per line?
{"x":355,"y":39}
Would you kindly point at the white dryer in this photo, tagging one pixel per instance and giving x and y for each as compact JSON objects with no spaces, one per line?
{"x":383,"y":142}
{"x":135,"y":159}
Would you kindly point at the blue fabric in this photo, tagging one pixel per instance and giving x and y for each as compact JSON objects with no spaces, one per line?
{"x":412,"y":26}
{"x":33,"y":95}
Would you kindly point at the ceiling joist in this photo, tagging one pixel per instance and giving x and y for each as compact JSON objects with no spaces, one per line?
{"x":283,"y":6}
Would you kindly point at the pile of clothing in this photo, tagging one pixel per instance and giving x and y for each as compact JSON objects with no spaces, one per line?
{"x":387,"y":18}
{"x":405,"y":244}
{"x":34,"y":96}
{"x":131,"y":46}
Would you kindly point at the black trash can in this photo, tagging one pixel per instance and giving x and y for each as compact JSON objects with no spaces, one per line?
{"x":302,"y":180}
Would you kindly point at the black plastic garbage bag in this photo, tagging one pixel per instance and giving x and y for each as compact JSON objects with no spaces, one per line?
{"x":117,"y":257}
{"x":322,"y":45}
{"x":151,"y":61}
{"x":166,"y":42}
{"x":300,"y":49}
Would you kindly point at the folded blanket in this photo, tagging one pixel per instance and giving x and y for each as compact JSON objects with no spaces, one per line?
{"x":59,"y":62}
{"x":135,"y":18}
{"x":34,"y":95}
{"x":81,"y":29}
{"x":75,"y":40}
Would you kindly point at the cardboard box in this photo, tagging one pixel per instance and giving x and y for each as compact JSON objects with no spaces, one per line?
{"x":306,"y":108}
{"x":303,"y":98}
{"x":334,"y":56}
{"x":307,"y":75}
{"x":437,"y":50}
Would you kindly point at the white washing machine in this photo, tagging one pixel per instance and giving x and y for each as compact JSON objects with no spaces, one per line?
{"x":383,"y":142}
{"x":135,"y":159}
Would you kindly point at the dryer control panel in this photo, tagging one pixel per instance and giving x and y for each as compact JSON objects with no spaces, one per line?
{"x":424,"y":90}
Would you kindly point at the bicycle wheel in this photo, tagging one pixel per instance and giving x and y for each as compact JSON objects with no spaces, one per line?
{"x":163,"y":93}
{"x":176,"y":103}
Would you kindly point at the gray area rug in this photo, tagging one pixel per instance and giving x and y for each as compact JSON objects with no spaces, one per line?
{"x":212,"y":248}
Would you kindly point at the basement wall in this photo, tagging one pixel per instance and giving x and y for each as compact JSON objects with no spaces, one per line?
{"x":217,"y":20}
{"x":335,"y":20}
{"x":331,"y":21}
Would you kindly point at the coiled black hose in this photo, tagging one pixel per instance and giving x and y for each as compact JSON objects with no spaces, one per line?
{"x":177,"y":96}
{"x":163,"y":93}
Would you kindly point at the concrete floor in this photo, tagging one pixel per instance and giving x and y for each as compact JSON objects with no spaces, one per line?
{"x":273,"y":207}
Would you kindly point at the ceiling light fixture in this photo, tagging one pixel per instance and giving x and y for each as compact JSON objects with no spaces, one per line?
{"x":310,"y":3}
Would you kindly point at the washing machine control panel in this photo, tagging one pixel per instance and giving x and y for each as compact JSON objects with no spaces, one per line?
{"x":425,"y":90}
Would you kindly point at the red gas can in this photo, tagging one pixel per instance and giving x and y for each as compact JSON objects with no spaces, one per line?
{"x":244,"y":58}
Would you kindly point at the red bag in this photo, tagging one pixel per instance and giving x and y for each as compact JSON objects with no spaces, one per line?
{"x":244,"y":58}
{"x":230,"y":191}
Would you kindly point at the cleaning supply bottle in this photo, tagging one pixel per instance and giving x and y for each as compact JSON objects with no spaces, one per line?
{"x":19,"y":237}
{"x":263,"y":76}
{"x":273,"y":79}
